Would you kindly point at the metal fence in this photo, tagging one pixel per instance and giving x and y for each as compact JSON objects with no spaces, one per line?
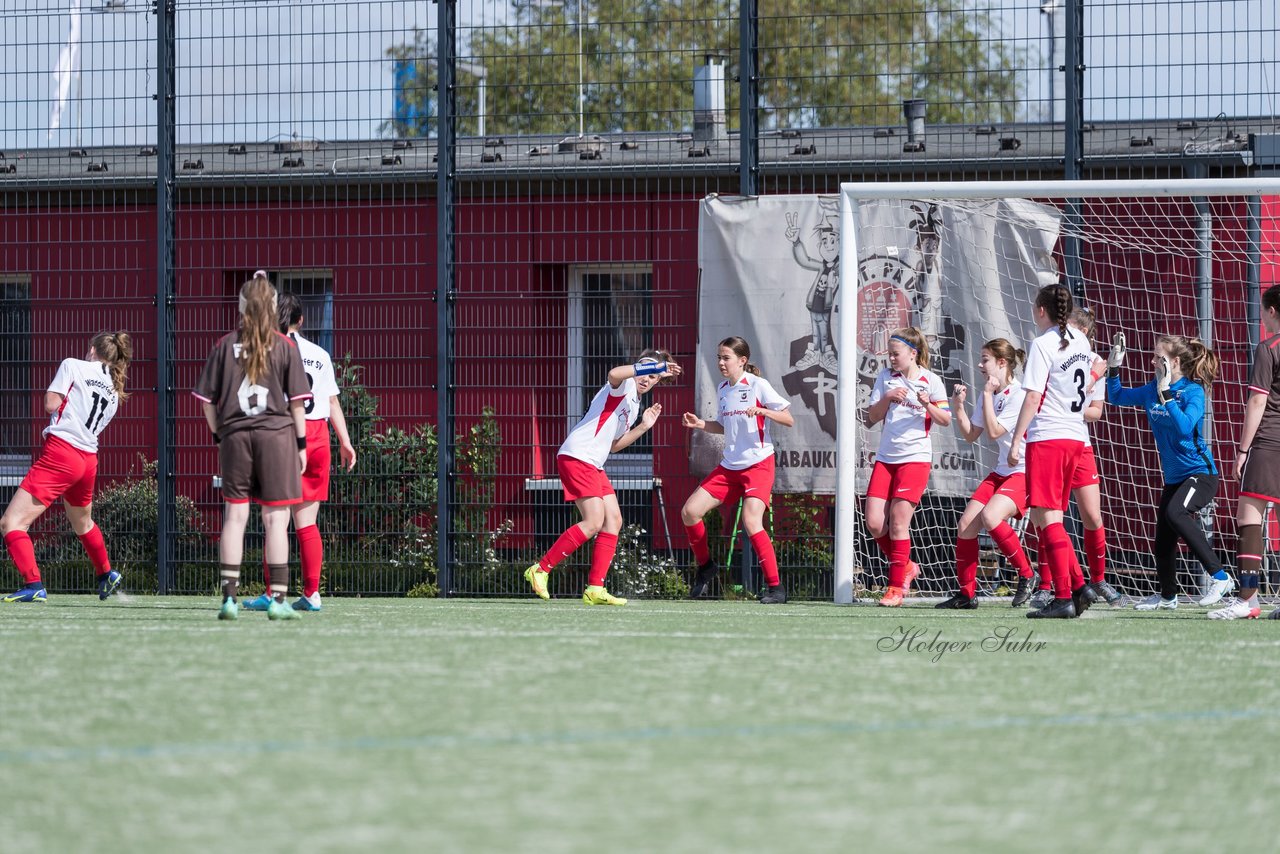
{"x":485,"y":205}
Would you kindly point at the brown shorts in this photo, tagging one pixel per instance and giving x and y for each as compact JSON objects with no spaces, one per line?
{"x":1261,"y":474}
{"x":261,"y":466}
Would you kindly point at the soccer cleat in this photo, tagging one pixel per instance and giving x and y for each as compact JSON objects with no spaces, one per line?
{"x":108,"y":583}
{"x":959,"y":601}
{"x":1236,"y":609}
{"x":913,"y":571}
{"x":1040,"y":598}
{"x":1156,"y":602}
{"x":308,"y":603}
{"x":281,"y":611}
{"x":1061,"y":609}
{"x":775,"y":595}
{"x":1274,"y":615}
{"x":229,"y":610}
{"x":28,"y":593}
{"x":537,"y":580}
{"x":707,"y":573}
{"x":892,"y":597}
{"x":1103,"y":590}
{"x":1023,"y":591}
{"x":597,"y":595}
{"x":1082,"y":597}
{"x":1218,"y":588}
{"x":257,"y":603}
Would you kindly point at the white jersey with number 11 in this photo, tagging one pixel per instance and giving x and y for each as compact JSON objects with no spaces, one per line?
{"x":89,"y":403}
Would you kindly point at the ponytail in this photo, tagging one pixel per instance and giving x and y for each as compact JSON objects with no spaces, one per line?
{"x":115,"y":350}
{"x":1001,"y":350}
{"x":1056,"y":300}
{"x":258,"y":325}
{"x":1198,"y":362}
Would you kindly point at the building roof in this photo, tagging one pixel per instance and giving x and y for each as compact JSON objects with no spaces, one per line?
{"x":997,"y":149}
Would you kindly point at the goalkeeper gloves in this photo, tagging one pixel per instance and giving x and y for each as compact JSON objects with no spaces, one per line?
{"x":1116,"y":357}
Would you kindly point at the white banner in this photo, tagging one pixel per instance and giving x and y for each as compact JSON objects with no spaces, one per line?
{"x":963,"y":273}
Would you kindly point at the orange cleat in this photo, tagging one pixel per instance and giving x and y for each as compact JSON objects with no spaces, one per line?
{"x":892,"y":597}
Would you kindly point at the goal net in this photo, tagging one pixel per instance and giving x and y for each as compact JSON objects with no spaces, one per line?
{"x":963,"y":263}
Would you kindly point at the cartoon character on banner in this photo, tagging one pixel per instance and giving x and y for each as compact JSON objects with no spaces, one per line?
{"x":821,"y":298}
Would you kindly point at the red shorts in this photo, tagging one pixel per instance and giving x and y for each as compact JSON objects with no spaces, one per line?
{"x":581,"y":479}
{"x":728,"y":485}
{"x":1011,"y":486}
{"x":63,"y":471}
{"x":315,"y":477}
{"x":1051,"y":467}
{"x":1086,"y":470}
{"x":899,"y":480}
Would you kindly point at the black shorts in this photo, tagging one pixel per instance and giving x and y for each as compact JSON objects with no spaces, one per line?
{"x":1261,"y":474}
{"x":261,"y":466}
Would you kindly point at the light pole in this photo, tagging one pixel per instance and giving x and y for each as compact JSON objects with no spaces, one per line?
{"x":1049,"y":9}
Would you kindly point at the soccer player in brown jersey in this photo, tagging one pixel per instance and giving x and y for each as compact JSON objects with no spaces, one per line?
{"x":252,"y":391}
{"x":1257,"y":464}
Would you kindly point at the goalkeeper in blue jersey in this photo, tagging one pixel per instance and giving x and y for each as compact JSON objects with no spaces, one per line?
{"x":1175,"y":405}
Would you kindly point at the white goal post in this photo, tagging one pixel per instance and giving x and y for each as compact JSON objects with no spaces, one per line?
{"x":963,"y":262}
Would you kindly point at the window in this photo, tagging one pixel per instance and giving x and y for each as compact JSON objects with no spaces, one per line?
{"x":15,"y":373}
{"x":315,"y":289}
{"x":610,"y":323}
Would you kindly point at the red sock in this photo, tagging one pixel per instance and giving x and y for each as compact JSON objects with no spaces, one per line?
{"x":885,"y":544}
{"x":698,"y":542}
{"x":23,"y":555}
{"x":1062,"y":560}
{"x":899,"y":557}
{"x":768,"y":560}
{"x":1035,"y":543}
{"x":1006,"y":540}
{"x":566,"y":545}
{"x":601,"y":557}
{"x":311,"y":553}
{"x":967,"y":565}
{"x":96,"y":549}
{"x":1095,"y":552}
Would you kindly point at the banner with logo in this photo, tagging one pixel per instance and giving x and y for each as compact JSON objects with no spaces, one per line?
{"x":771,"y":272}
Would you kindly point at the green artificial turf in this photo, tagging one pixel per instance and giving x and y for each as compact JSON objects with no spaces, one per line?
{"x":144,"y":724}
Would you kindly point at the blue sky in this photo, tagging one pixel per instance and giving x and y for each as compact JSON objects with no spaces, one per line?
{"x":244,"y":77}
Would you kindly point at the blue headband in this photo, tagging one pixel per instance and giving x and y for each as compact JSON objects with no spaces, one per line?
{"x":904,"y":341}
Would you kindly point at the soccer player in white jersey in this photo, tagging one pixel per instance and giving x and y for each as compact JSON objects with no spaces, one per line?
{"x":747,"y":405}
{"x":81,"y":401}
{"x":1051,"y":423}
{"x":1002,"y":495}
{"x":608,"y":426}
{"x":909,"y":400}
{"x":320,"y":410}
{"x":1086,"y":485}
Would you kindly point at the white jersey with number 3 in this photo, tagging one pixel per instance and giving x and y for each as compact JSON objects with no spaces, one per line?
{"x":609,"y":417}
{"x":89,"y":403}
{"x":746,"y":437}
{"x":320,"y":377}
{"x":1061,"y":375}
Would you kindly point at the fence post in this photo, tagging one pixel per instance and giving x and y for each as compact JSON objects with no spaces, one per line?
{"x":1073,"y":143}
{"x":446,"y":187}
{"x":165,"y":153}
{"x":749,"y":91}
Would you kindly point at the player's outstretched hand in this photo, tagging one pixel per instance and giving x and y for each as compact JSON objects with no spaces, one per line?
{"x":1116,"y":357}
{"x":692,"y":421}
{"x":673,"y":370}
{"x":348,"y":456}
{"x":650,"y":416}
{"x":959,"y":393}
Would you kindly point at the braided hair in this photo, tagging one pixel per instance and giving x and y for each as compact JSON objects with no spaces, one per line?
{"x":1057,"y":302}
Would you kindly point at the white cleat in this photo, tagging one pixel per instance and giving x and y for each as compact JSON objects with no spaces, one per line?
{"x":1156,"y":602}
{"x":1217,"y":590}
{"x":1236,"y":609}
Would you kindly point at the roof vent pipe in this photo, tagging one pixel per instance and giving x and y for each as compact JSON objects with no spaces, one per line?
{"x":708,"y":101}
{"x":914,"y":109}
